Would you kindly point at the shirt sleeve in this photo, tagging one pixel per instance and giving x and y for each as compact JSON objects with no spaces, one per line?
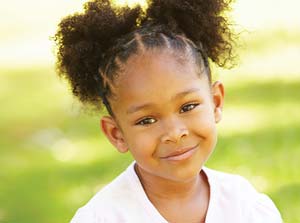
{"x":85,"y":216}
{"x":258,"y":207}
{"x":264,"y":210}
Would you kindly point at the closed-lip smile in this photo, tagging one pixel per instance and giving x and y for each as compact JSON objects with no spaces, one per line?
{"x":180,"y":154}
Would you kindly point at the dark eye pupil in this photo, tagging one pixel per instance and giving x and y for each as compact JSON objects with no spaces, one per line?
{"x":147,"y":121}
{"x":188,"y":107}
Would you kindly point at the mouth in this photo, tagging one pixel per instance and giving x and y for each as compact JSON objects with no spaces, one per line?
{"x":180,"y":154}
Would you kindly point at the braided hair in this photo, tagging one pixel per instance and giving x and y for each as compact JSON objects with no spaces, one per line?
{"x":93,"y":46}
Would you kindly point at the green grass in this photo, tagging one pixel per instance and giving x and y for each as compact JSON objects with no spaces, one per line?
{"x":54,"y":158}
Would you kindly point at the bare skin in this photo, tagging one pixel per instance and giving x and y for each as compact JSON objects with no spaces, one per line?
{"x":187,"y":202}
{"x":181,"y":112}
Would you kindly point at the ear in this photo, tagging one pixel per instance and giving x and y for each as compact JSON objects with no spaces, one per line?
{"x":114,"y":134}
{"x":218,"y":99}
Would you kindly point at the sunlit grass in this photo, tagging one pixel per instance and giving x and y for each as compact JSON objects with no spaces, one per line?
{"x":54,"y":158}
{"x":51,"y":150}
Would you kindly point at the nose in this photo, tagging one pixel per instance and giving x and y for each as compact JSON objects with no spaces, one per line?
{"x":173,"y":131}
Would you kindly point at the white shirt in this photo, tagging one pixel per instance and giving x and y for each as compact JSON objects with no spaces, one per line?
{"x":232,"y":200}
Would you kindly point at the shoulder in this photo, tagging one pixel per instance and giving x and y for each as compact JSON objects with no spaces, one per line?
{"x":85,"y":215}
{"x":108,"y":204}
{"x":227,"y":182}
{"x":238,"y":197}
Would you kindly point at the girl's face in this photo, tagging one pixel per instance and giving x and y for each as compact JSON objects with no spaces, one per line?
{"x":165,"y":115}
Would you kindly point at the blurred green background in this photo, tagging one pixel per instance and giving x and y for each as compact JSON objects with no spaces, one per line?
{"x":54,"y":157}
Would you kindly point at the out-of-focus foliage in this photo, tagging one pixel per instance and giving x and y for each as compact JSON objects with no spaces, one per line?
{"x":54,"y":158}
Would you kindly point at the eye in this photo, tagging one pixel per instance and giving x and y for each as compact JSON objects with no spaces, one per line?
{"x":146,"y":121}
{"x":188,"y":107}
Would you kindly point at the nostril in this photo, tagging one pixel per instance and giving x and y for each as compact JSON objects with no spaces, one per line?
{"x":174,"y":136}
{"x":185,"y":132}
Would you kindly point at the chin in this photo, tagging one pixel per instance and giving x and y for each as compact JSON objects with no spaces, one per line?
{"x":186,"y":174}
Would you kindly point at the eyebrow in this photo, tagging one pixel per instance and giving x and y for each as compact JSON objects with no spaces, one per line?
{"x":136,"y":108}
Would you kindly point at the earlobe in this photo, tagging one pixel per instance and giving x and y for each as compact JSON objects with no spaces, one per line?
{"x":218,"y":114}
{"x":113,"y":133}
{"x":218,"y":99}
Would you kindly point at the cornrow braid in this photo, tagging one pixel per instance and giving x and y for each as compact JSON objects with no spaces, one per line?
{"x":93,"y":46}
{"x":140,"y":41}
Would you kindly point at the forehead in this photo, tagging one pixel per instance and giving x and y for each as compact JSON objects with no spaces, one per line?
{"x":155,"y":76}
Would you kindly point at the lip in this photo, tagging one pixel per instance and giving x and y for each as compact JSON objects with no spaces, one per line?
{"x":180,"y":154}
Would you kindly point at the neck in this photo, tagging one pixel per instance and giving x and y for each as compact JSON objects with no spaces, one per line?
{"x":158,"y":188}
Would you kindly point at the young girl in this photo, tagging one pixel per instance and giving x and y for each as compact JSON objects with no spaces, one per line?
{"x":150,"y":68}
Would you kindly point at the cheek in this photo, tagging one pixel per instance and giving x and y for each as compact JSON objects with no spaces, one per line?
{"x":143,"y":143}
{"x":203,"y":123}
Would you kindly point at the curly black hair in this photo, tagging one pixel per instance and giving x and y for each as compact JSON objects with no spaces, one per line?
{"x":92,"y":46}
